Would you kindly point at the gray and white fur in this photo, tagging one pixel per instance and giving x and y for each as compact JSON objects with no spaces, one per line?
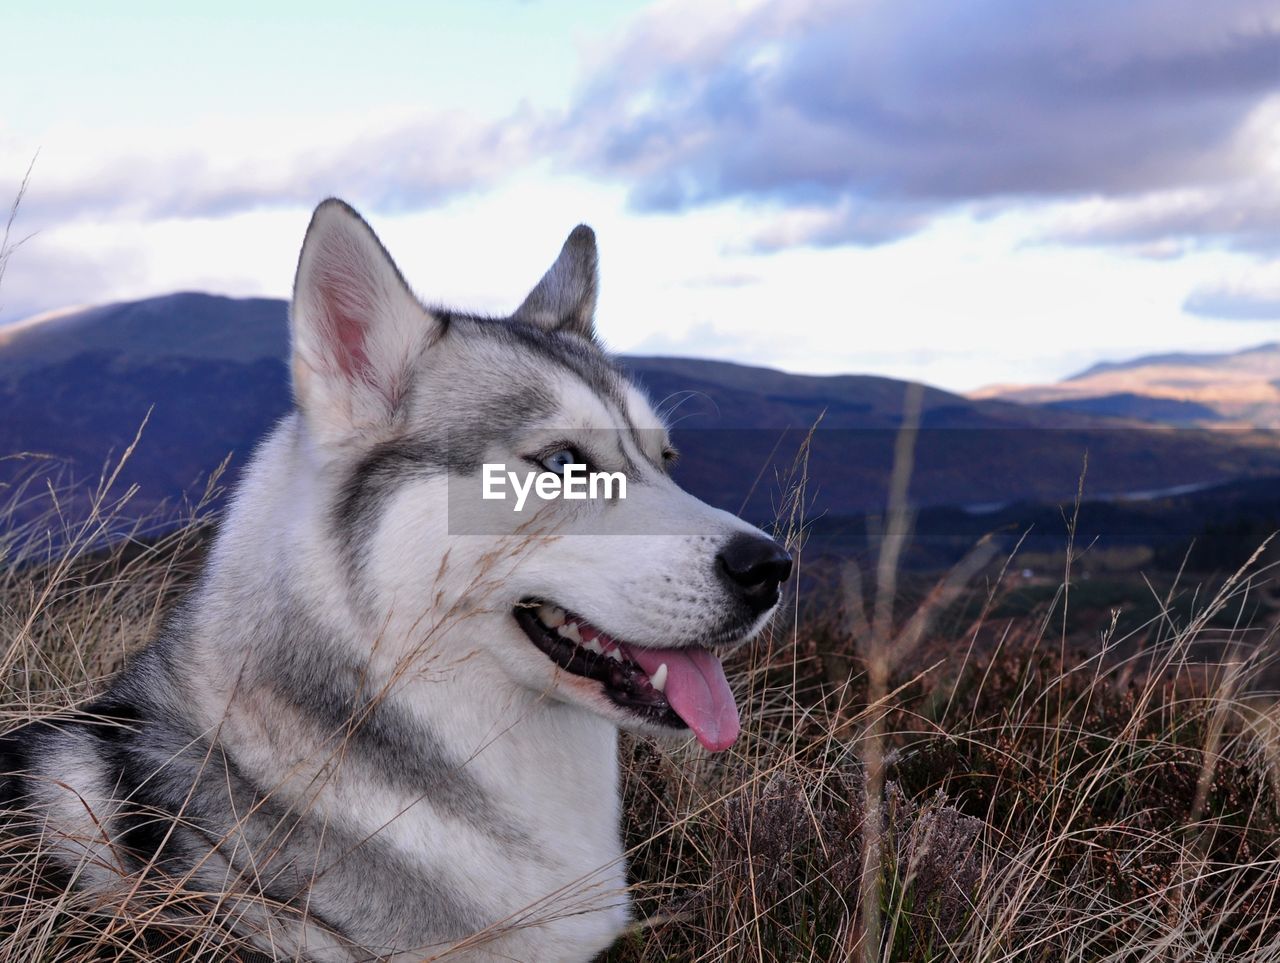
{"x":343,"y":730}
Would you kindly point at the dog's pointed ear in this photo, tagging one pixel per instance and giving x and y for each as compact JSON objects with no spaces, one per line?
{"x":565,"y":298}
{"x":356,"y":327}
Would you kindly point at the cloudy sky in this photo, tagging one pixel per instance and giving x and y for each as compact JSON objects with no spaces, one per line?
{"x":993,"y":190}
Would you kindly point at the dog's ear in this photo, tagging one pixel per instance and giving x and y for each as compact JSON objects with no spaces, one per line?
{"x":565,"y":298}
{"x":356,"y":328}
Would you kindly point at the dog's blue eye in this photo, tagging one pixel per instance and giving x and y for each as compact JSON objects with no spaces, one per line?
{"x":565,"y":456}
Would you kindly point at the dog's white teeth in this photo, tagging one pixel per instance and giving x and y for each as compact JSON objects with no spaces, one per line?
{"x":552,"y":616}
{"x":593,"y":646}
{"x":659,"y":679}
{"x":614,"y":654}
{"x":569,"y":630}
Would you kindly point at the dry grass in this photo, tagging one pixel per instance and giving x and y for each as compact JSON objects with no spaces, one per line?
{"x":907,"y":787}
{"x":1037,"y":807}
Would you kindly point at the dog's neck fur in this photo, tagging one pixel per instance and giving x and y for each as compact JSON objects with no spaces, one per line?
{"x":273,"y":620}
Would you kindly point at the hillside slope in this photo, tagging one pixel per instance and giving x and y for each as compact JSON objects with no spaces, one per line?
{"x":1239,"y":388}
{"x":208,"y":374}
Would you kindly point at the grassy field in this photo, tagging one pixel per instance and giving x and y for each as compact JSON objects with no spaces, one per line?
{"x":957,"y":778}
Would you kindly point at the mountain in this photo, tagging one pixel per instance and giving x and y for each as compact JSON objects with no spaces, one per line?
{"x":204,"y":373}
{"x":207,"y":374}
{"x":1239,"y":388}
{"x":1263,"y":352}
{"x":187,"y":324}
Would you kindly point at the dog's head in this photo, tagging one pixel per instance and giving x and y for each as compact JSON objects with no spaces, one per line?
{"x":619,"y":604}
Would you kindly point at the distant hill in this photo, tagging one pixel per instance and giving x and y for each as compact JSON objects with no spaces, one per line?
{"x":1211,"y":529}
{"x":1266,"y":353}
{"x":1236,"y":388}
{"x":1168,"y":411}
{"x":210,"y":372}
{"x":187,"y":325}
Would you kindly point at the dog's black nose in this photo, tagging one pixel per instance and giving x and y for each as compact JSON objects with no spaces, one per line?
{"x":754,"y":567}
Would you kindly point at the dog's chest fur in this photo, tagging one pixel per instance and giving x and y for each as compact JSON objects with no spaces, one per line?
{"x":516,"y":825}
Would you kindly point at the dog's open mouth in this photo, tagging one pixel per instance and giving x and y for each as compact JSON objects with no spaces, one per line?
{"x":680,"y":688}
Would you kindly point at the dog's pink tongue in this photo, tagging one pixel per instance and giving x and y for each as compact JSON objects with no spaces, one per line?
{"x":697,"y":690}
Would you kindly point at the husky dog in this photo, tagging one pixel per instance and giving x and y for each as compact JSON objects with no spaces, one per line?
{"x":368,"y":732}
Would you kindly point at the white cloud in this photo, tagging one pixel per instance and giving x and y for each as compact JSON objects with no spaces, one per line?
{"x":887,"y":113}
{"x":1248,"y":294}
{"x":389,"y":163}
